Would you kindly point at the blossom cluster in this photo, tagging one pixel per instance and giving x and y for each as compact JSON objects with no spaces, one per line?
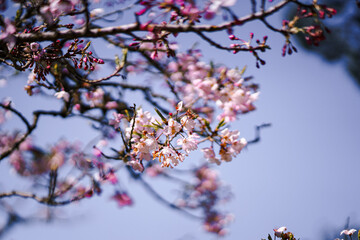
{"x":171,"y":139}
{"x":282,"y":234}
{"x":181,"y":11}
{"x":51,"y":38}
{"x":347,"y":233}
{"x":315,"y":31}
{"x":205,"y":194}
{"x":202,"y":85}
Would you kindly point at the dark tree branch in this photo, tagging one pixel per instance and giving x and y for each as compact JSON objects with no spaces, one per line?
{"x":135,"y":27}
{"x":157,"y":196}
{"x":257,"y":133}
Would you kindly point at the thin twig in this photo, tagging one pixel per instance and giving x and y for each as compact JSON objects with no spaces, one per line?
{"x":87,"y":14}
{"x":135,"y":27}
{"x":158,"y":196}
{"x":257,"y":133}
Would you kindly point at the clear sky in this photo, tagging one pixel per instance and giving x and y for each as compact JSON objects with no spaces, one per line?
{"x":303,"y":174}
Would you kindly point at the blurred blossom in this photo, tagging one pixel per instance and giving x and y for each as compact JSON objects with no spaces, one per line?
{"x":279,"y":231}
{"x":8,"y":34}
{"x":96,"y":12}
{"x":348,"y":232}
{"x":122,"y":199}
{"x":62,"y":94}
{"x":2,"y":82}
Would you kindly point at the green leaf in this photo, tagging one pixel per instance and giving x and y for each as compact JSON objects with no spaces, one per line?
{"x":207,"y":124}
{"x":160,"y":115}
{"x":269,"y":237}
{"x":18,"y":14}
{"x":243,"y":70}
{"x":87,"y":46}
{"x":221,"y":123}
{"x":117,"y":60}
{"x":156,"y":125}
{"x":149,"y":126}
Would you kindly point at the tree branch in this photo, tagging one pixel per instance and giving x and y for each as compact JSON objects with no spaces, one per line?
{"x":136,"y":27}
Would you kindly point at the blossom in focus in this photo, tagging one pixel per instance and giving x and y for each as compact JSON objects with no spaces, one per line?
{"x":188,"y":123}
{"x":172,"y":127}
{"x":190,"y":143}
{"x":169,"y":156}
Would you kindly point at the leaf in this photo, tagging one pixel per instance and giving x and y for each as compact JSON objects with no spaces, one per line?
{"x":147,"y":125}
{"x":117,"y":60}
{"x":243,"y":70}
{"x":221,"y":123}
{"x":269,"y":237}
{"x":18,"y":14}
{"x":127,"y":114}
{"x":124,"y":56}
{"x":87,"y":46}
{"x":207,"y":124}
{"x":161,"y":116}
{"x":157,"y":125}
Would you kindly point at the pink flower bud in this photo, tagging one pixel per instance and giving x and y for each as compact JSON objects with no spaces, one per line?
{"x":133,"y":44}
{"x":154,"y":55}
{"x":232,"y":37}
{"x":141,"y":12}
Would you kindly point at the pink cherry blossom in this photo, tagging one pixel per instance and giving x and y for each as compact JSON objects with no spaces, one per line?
{"x":279,"y":231}
{"x":172,"y":127}
{"x":348,"y":232}
{"x":169,"y":157}
{"x":8,"y":34}
{"x":209,"y":154}
{"x":116,"y":121}
{"x":62,"y":94}
{"x":190,"y":143}
{"x":122,"y":199}
{"x":188,"y":123}
{"x":136,"y":165}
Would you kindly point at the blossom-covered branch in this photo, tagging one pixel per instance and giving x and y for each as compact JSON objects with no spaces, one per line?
{"x":59,"y":44}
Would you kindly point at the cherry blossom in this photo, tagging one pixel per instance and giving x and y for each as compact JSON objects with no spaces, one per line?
{"x":8,"y":34}
{"x":62,"y":94}
{"x":209,"y":154}
{"x":190,"y":143}
{"x":348,"y":232}
{"x":188,"y":101}
{"x":172,"y":127}
{"x":279,"y":231}
{"x":122,"y":199}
